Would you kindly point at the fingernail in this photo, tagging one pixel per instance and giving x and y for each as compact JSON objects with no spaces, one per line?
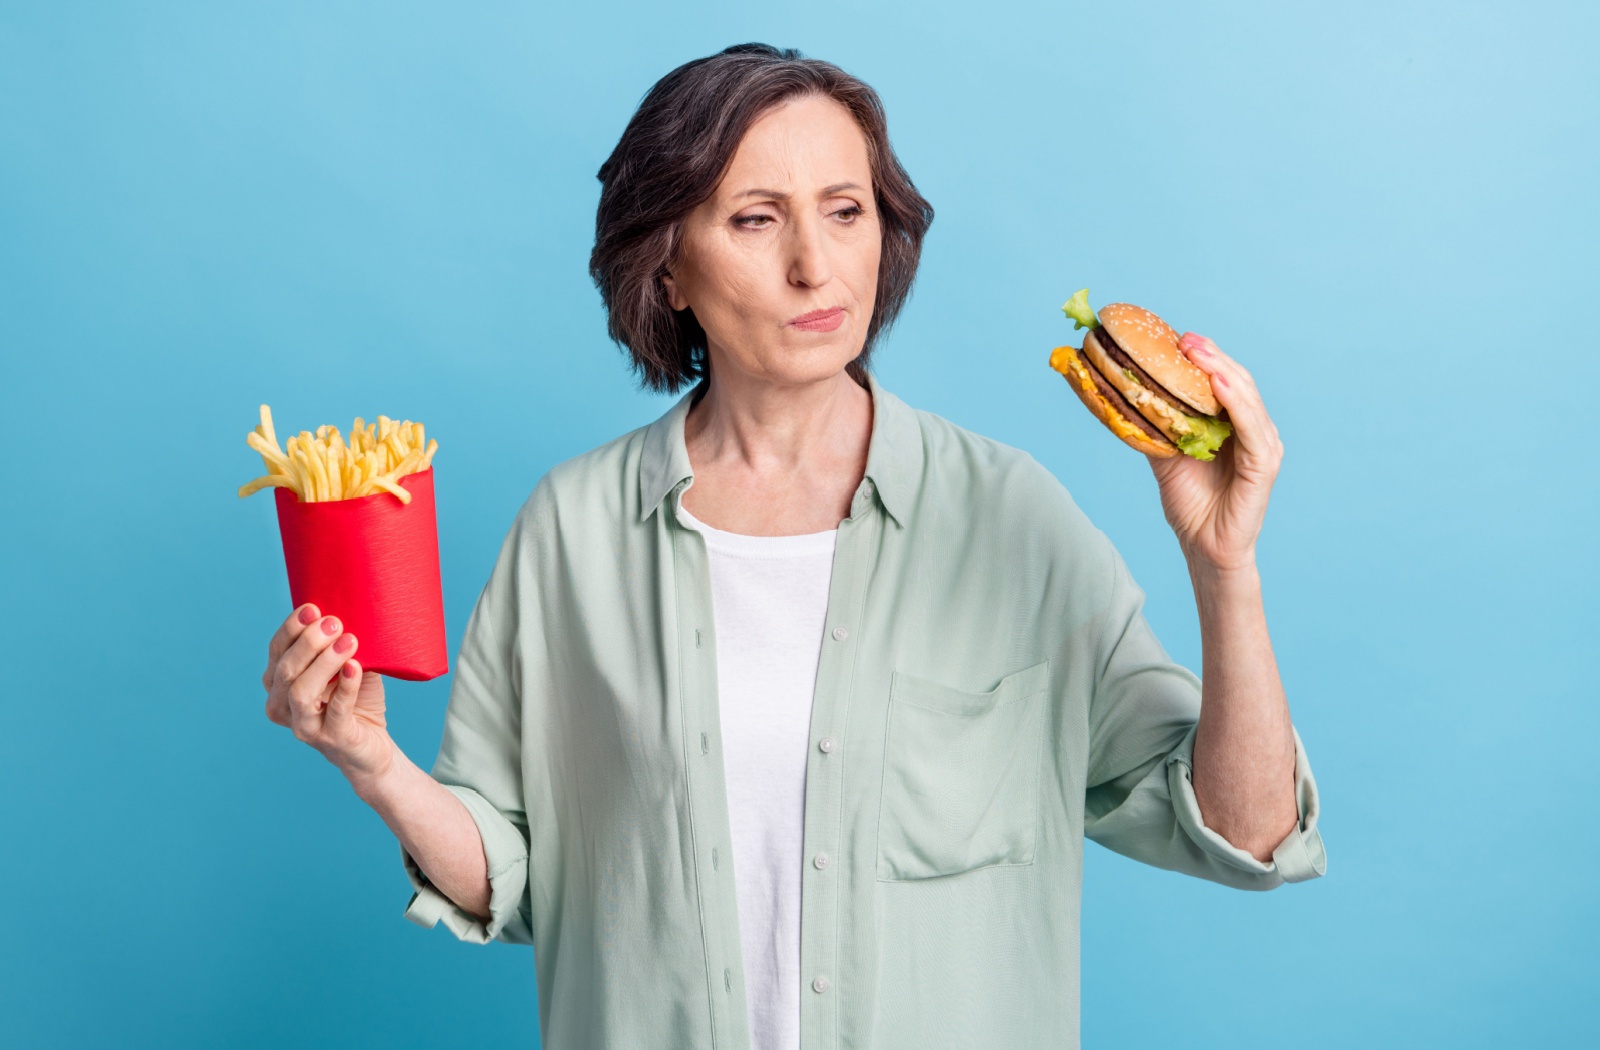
{"x":1219,"y":379}
{"x":330,"y":625}
{"x":308,"y":614}
{"x":345,"y":644}
{"x":348,"y":670}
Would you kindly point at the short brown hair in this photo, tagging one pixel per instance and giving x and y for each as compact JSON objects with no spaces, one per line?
{"x":668,"y":162}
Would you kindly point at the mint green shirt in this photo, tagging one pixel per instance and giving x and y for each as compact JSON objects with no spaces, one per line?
{"x":989,"y":694}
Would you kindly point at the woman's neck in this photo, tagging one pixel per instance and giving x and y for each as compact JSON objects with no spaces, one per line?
{"x":768,"y":427}
{"x":775,"y":460}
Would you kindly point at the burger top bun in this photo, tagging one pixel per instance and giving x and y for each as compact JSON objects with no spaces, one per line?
{"x":1152,"y":342}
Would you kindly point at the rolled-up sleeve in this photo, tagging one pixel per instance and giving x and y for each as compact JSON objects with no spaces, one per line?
{"x":1139,"y":798}
{"x":505,"y":851}
{"x":1297,"y":858}
{"x":480,"y":762}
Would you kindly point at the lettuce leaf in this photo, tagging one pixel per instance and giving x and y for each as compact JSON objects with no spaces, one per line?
{"x":1206,"y":435}
{"x":1077,"y":308}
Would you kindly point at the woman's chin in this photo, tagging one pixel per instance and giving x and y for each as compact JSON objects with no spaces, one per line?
{"x":802,"y":363}
{"x":808,"y":371}
{"x":811,"y":358}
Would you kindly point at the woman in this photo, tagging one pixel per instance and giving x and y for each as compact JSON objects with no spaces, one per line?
{"x":786,"y":715}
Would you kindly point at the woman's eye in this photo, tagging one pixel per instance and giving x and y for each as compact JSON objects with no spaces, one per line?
{"x":849,"y":214}
{"x":753,"y":222}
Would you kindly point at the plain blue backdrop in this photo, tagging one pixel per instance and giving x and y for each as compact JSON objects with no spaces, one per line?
{"x":1386,"y":211}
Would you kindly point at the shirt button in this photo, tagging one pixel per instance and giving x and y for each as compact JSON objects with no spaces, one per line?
{"x":840,"y":634}
{"x":820,"y":860}
{"x":826,"y":744}
{"x":820,"y":984}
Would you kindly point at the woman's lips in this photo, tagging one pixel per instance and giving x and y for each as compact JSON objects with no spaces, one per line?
{"x":820,"y":320}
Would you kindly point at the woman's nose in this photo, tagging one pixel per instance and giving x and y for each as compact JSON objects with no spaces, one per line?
{"x":809,"y":264}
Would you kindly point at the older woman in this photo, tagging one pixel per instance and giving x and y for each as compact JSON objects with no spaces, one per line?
{"x":781,"y":720}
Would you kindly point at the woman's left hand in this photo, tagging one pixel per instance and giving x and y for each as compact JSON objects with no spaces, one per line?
{"x":1216,"y":507}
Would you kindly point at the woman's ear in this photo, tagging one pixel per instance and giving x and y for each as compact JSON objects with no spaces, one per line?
{"x":675,"y":297}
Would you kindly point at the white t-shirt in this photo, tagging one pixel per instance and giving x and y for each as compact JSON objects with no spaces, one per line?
{"x":769,"y":597}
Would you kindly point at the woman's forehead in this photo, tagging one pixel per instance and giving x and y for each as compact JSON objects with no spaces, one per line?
{"x":807,"y":147}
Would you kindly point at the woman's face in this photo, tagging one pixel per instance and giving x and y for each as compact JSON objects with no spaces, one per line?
{"x":790,"y":230}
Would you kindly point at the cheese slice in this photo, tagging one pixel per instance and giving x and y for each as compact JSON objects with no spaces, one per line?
{"x":1065,"y":359}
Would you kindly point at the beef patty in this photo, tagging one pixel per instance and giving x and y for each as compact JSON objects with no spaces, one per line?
{"x":1120,"y":356}
{"x":1113,"y":395}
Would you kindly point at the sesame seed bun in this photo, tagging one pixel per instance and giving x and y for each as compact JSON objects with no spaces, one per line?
{"x":1081,"y":378}
{"x":1153,"y":344}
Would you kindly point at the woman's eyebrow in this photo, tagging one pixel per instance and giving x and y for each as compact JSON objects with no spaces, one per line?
{"x":827,"y":191}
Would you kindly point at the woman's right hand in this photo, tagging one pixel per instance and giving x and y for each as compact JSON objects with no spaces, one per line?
{"x":317,"y":690}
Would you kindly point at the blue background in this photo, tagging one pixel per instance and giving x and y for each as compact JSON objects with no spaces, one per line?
{"x":1385,"y":211}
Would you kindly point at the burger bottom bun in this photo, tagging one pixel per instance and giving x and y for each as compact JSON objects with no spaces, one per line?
{"x":1083,"y":385}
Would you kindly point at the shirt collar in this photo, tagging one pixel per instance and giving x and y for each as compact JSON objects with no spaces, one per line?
{"x":894,"y":453}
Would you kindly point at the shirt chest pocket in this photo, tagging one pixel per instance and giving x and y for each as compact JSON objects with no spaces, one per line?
{"x":960,"y":775}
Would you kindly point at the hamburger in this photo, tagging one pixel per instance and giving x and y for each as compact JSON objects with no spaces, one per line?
{"x":1134,"y":378}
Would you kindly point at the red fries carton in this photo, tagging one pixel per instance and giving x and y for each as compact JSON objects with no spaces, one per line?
{"x":373,"y":562}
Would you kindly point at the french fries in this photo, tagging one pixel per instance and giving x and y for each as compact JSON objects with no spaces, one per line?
{"x":322,"y":466}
